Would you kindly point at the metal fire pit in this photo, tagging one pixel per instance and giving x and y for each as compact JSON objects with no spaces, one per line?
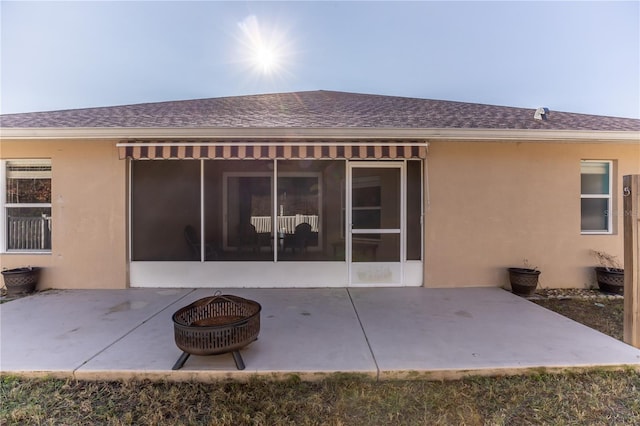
{"x":216,"y":325}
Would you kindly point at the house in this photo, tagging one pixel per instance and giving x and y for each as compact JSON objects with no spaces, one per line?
{"x":311,"y":189}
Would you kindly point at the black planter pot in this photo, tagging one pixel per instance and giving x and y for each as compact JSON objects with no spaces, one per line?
{"x":21,"y":281}
{"x":523,"y":281}
{"x":610,"y":280}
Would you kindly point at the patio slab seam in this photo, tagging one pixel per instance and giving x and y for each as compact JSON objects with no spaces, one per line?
{"x":75,"y":370}
{"x":364,"y":333}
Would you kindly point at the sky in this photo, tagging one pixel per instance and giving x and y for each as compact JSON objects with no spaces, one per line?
{"x":577,"y":56}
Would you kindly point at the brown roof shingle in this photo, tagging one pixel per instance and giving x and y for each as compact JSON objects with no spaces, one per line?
{"x":315,"y":109}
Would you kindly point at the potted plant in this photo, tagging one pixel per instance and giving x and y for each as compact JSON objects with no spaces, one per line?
{"x":610,"y":274}
{"x":524,"y":280}
{"x":19,"y":281}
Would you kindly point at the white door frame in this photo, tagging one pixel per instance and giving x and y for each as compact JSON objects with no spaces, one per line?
{"x":349,"y":232}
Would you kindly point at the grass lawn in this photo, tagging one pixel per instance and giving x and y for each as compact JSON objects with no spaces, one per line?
{"x":598,"y":397}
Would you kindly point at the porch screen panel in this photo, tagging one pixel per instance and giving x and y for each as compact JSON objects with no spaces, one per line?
{"x":237,"y":210}
{"x":165,"y":210}
{"x":375,"y":205}
{"x":248,"y":212}
{"x":414,"y":210}
{"x":310,"y":214}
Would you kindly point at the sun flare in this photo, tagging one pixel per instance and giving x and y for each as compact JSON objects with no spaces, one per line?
{"x":263,"y":51}
{"x":265,"y":59}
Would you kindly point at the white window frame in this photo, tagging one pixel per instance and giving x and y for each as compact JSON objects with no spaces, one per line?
{"x":608,"y":197}
{"x":4,"y":205}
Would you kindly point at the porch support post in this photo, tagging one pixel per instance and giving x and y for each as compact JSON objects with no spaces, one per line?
{"x":631,"y":214}
{"x":426,"y":207}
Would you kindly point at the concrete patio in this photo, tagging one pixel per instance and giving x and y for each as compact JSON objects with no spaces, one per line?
{"x":383,"y":333}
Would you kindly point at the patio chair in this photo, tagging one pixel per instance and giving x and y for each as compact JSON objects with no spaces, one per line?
{"x":193,"y":240}
{"x":248,"y":237}
{"x":300,"y":238}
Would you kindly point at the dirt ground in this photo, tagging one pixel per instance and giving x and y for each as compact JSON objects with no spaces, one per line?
{"x":591,"y":308}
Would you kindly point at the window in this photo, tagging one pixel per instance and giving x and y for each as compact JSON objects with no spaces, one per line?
{"x":595,"y":198}
{"x":27,"y":205}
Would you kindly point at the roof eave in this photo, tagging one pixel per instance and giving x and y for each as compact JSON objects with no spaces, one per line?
{"x":94,"y":133}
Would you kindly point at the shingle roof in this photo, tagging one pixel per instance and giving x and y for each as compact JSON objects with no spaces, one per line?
{"x":315,"y":109}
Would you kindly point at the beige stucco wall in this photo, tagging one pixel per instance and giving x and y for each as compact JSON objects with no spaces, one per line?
{"x":491,"y":205}
{"x":88,"y":214}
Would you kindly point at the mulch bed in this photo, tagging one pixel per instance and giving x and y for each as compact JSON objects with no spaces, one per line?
{"x":573,"y":293}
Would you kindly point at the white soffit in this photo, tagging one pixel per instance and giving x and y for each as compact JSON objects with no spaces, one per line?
{"x":579,"y":136}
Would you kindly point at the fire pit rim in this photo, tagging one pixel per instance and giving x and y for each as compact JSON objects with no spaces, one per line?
{"x":228,"y":297}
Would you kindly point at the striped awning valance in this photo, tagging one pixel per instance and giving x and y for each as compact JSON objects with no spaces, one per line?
{"x":239,"y":150}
